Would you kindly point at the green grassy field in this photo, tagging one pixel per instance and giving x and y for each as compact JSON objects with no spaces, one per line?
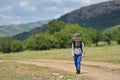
{"x":17,"y":71}
{"x":101,"y":53}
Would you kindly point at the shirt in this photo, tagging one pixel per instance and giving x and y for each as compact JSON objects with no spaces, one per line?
{"x":78,"y":50}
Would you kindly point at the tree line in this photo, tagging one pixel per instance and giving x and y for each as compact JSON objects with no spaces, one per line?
{"x":59,"y":35}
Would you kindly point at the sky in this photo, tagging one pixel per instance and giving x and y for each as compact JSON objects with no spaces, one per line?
{"x":24,"y":11}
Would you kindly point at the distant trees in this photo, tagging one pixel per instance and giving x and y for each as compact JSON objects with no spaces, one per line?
{"x":8,"y":44}
{"x":57,"y":39}
{"x":118,"y":38}
{"x":112,"y":34}
{"x":55,"y":26}
{"x":40,"y":41}
{"x":59,"y":35}
{"x":5,"y":43}
{"x":17,"y":46}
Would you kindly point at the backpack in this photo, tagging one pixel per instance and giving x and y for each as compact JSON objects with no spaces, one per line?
{"x":80,"y":45}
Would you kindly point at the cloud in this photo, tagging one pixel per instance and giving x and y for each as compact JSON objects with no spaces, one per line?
{"x":58,"y":1}
{"x":86,"y":1}
{"x":27,"y":5}
{"x":52,"y":8}
{"x":17,"y":22}
{"x":5,"y":17}
{"x":6,"y":8}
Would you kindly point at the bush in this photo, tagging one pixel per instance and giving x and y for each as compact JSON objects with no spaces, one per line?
{"x":16,"y":46}
{"x":0,"y":48}
{"x":118,"y":41}
{"x":40,"y":41}
{"x":118,"y":38}
{"x":5,"y":43}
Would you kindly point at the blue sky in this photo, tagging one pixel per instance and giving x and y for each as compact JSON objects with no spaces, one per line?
{"x":24,"y":11}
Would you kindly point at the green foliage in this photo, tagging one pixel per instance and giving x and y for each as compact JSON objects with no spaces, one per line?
{"x":40,"y":41}
{"x":16,"y":46}
{"x":118,"y":38}
{"x":60,"y":35}
{"x":55,"y":26}
{"x":112,"y":34}
{"x":5,"y":43}
{"x":93,"y":35}
{"x":0,"y":48}
{"x":69,"y":31}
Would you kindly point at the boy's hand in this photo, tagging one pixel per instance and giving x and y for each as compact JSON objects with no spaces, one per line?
{"x":83,"y":54}
{"x":73,"y":56}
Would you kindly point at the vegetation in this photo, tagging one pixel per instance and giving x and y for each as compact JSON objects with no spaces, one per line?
{"x":8,"y":44}
{"x":17,"y":46}
{"x":5,"y":43}
{"x":112,"y":34}
{"x":57,"y":34}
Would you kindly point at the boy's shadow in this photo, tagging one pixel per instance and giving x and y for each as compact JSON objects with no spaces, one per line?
{"x":84,"y":73}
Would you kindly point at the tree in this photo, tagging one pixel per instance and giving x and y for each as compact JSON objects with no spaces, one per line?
{"x":41,"y":41}
{"x":65,"y":36}
{"x":5,"y":43}
{"x":0,"y":48}
{"x":16,"y":46}
{"x":118,"y":38}
{"x":94,"y":34}
{"x":55,"y":26}
{"x":111,"y":34}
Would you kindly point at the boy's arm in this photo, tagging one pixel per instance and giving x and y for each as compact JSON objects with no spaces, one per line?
{"x":83,"y":49}
{"x":72,"y":50}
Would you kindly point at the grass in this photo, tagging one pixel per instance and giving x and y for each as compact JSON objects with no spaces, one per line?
{"x":102,"y":53}
{"x":17,"y":71}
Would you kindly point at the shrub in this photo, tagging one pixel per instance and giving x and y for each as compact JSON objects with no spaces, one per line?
{"x":16,"y":46}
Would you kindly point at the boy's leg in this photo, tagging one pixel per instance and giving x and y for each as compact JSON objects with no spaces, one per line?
{"x":79,"y":58}
{"x":75,"y":60}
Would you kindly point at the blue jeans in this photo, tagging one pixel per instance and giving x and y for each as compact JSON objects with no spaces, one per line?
{"x":77,"y":61}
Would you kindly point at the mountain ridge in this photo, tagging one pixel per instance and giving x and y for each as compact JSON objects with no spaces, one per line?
{"x":13,"y":29}
{"x":95,"y":16}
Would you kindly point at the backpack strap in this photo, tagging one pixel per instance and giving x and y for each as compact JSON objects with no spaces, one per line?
{"x":80,"y":45}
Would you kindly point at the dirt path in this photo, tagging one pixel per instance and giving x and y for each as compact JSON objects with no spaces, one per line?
{"x":95,"y":70}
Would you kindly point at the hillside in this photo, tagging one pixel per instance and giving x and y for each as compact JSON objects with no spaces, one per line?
{"x":24,"y":35}
{"x":10,"y":30}
{"x":99,"y":16}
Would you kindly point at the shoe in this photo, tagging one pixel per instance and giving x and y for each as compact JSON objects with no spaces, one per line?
{"x":77,"y":71}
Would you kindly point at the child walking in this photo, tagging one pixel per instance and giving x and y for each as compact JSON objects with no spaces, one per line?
{"x":78,"y":51}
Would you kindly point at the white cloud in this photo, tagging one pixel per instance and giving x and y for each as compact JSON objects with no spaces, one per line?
{"x":27,"y":5}
{"x":86,"y":1}
{"x":6,"y":8}
{"x":58,"y":1}
{"x":5,"y":17}
{"x":17,"y":22}
{"x":52,"y":8}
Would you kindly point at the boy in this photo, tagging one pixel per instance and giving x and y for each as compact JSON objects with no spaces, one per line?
{"x":78,"y":51}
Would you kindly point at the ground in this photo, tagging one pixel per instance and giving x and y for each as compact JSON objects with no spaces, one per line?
{"x":100,"y":63}
{"x":90,"y":70}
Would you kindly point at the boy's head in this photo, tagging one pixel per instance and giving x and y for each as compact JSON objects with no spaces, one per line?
{"x":77,"y":37}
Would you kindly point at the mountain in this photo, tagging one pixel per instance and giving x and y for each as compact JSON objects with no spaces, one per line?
{"x":25,"y":35}
{"x":99,"y":16}
{"x":10,"y":30}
